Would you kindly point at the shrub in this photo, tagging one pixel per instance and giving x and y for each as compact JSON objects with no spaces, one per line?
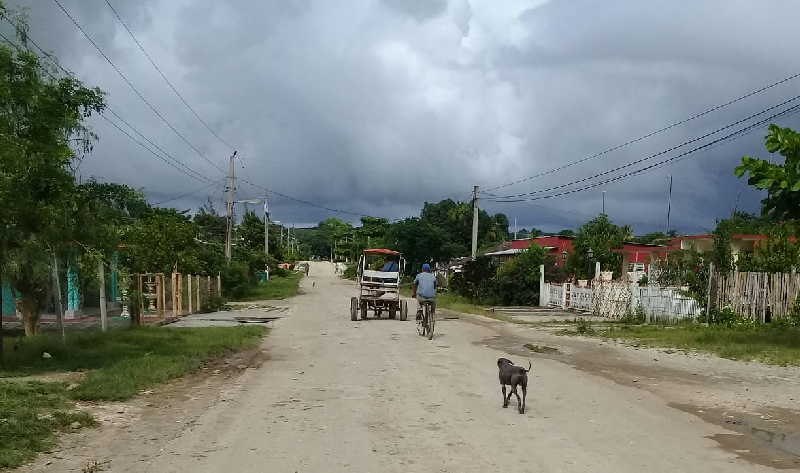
{"x":214,"y":303}
{"x":583,"y":326}
{"x":236,"y":280}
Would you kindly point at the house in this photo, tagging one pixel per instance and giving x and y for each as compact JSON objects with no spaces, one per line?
{"x":638,"y":257}
{"x":740,"y":243}
{"x":78,"y":302}
{"x":558,"y":246}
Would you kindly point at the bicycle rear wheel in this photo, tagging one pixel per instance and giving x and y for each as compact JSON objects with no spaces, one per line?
{"x":431,"y":318}
{"x":421,"y":325}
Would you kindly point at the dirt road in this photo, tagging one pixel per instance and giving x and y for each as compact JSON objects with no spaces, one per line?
{"x":342,"y":396}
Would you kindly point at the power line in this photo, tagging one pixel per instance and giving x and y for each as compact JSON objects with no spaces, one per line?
{"x":302,"y":201}
{"x":187,"y":194}
{"x":136,"y":90}
{"x":163,"y":76}
{"x":731,"y":136}
{"x":201,"y":178}
{"x":194,"y":174}
{"x":660,"y":153}
{"x":648,"y":135}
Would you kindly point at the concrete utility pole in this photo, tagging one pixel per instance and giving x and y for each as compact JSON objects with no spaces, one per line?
{"x":229,"y":207}
{"x":669,"y":204}
{"x":266,"y":226}
{"x":475,"y":221}
{"x":101,"y":276}
{"x":604,"y":202}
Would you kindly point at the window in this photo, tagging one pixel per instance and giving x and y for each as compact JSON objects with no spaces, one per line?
{"x":635,"y":267}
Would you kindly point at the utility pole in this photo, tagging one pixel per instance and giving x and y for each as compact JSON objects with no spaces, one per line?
{"x":515,"y":228}
{"x":229,"y":207}
{"x":669,"y":204}
{"x":101,"y":276}
{"x":266,"y":227}
{"x":604,"y":202}
{"x":57,"y":291}
{"x":475,"y":221}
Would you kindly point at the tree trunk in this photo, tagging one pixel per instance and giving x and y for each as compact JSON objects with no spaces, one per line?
{"x":30,"y":315}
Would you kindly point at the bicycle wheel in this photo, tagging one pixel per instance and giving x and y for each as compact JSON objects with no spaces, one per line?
{"x":421,"y":325}
{"x":430,"y":315}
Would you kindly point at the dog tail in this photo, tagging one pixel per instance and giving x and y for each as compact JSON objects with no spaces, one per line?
{"x":529,"y":367}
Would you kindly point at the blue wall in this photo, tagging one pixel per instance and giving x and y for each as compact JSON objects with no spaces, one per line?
{"x":7,"y":306}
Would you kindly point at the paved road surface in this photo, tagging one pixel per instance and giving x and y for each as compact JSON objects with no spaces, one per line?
{"x":373,"y":396}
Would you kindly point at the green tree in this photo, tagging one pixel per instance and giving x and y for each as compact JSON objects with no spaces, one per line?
{"x":42,"y":132}
{"x":567,"y":233}
{"x":163,"y":241}
{"x":602,"y":237}
{"x":781,"y":181}
{"x":517,"y":280}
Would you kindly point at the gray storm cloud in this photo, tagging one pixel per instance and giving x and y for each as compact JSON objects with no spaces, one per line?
{"x":377,"y":106}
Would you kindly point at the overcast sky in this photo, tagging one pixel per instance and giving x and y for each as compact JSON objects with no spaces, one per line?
{"x":376,"y":106}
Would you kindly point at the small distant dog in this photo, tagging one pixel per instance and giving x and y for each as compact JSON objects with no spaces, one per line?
{"x":512,"y":375}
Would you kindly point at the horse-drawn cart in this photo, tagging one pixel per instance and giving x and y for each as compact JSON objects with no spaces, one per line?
{"x":379,"y":289}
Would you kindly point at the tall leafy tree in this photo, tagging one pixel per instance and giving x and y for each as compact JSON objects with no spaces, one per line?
{"x":602,"y":236}
{"x":42,"y":132}
{"x":780,"y":180}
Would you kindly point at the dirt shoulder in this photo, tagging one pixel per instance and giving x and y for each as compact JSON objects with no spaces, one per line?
{"x":757,"y":403}
{"x":136,"y":430}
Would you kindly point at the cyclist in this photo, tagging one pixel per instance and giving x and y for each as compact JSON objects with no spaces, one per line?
{"x":424,"y":288}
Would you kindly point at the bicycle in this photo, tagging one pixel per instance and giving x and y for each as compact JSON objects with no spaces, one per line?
{"x":426,"y":323}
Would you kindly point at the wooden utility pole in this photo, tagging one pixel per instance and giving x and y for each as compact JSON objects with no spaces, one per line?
{"x":229,"y":207}
{"x":475,"y":221}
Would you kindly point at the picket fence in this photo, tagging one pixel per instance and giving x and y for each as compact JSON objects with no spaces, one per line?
{"x":760,"y":296}
{"x":612,"y":299}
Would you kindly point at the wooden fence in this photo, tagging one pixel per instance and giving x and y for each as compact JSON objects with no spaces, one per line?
{"x":759,"y":296}
{"x":181,"y":294}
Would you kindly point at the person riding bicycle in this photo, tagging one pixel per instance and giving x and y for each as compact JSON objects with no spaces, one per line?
{"x":424,"y":288}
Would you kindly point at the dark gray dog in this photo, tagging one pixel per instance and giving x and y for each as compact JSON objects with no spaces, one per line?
{"x":512,"y":375}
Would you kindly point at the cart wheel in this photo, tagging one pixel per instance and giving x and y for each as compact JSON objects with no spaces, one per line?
{"x":354,"y":308}
{"x":393,"y":311}
{"x":403,"y":310}
{"x":363,"y":310}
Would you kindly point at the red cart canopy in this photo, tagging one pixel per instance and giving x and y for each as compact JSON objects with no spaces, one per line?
{"x":381,"y":251}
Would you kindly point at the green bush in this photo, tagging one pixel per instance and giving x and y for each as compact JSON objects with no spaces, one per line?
{"x":214,"y":303}
{"x":236,"y":281}
{"x":350,"y":272}
{"x":279,"y":272}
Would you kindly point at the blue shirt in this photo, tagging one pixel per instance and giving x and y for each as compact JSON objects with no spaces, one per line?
{"x":390,"y":266}
{"x":426,"y":285}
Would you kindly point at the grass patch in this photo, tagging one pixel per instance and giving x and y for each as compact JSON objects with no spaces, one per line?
{"x":768,"y":344}
{"x":120,"y":364}
{"x":454,"y":302}
{"x":124,"y":362}
{"x":31,"y":413}
{"x":278,"y":287}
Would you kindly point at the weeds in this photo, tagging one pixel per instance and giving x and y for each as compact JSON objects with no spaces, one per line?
{"x":276,"y":288}
{"x":30,"y":415}
{"x":583,"y":326}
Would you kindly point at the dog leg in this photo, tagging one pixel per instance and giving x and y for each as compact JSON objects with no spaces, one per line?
{"x":524,"y":395}
{"x":519,"y":401}
{"x":505,"y":400}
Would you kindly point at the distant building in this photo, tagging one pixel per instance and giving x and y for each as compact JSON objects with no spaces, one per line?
{"x":558,"y":246}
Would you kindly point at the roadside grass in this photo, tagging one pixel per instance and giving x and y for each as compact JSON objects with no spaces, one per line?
{"x":451,"y":301}
{"x":118,"y":365}
{"x":30,"y":416}
{"x":276,"y":288}
{"x":777,"y":345}
{"x":123,"y":362}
